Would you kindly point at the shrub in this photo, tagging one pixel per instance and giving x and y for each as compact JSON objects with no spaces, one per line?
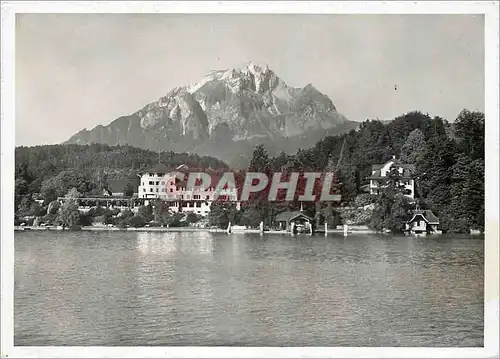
{"x":137,"y":221}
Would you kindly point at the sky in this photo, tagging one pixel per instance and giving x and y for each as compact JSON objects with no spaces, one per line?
{"x":76,"y":71}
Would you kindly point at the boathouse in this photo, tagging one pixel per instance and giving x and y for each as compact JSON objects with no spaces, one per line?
{"x":423,"y":221}
{"x":298,"y":218}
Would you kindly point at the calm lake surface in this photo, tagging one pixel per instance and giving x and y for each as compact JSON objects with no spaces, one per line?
{"x":209,"y":289}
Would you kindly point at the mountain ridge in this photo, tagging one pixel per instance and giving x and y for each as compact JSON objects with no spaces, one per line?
{"x":226,"y":107}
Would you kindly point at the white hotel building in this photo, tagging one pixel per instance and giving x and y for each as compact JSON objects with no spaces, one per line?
{"x":160,"y":182}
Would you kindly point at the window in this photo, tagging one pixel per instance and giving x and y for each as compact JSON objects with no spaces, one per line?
{"x":157,"y":183}
{"x":157,"y":190}
{"x":143,"y":183}
{"x":143,"y":190}
{"x":161,"y":174}
{"x":163,"y":189}
{"x":196,"y":196}
{"x":151,"y":174}
{"x":150,"y":190}
{"x":162,"y":183}
{"x":207,"y":198}
{"x":171,"y":190}
{"x":151,"y":183}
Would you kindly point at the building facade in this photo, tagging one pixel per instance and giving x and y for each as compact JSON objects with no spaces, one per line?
{"x":161,"y":182}
{"x":380,"y":172}
{"x":422,"y":222}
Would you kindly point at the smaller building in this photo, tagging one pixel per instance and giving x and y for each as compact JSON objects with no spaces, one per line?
{"x":117,"y":187}
{"x":423,"y":222}
{"x":380,"y":172}
{"x":294,"y":220}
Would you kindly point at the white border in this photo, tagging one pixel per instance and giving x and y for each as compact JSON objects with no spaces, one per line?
{"x":490,"y":9}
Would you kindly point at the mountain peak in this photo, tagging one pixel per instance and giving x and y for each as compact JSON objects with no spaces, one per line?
{"x":247,"y":103}
{"x":257,"y":68}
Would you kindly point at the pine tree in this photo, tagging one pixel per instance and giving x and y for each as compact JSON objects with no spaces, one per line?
{"x":413,"y":149}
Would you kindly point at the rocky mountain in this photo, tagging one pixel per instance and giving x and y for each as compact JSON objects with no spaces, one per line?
{"x":225,"y":115}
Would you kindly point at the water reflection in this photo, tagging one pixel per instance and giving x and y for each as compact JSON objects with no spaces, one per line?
{"x":147,"y":288}
{"x":157,"y":243}
{"x":168,"y":243}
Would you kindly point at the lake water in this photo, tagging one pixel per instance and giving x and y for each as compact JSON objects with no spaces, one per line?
{"x":210,"y":289}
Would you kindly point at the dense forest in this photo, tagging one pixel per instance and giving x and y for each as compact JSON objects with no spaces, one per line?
{"x":448,"y":157}
{"x":449,"y":161}
{"x":53,"y":170}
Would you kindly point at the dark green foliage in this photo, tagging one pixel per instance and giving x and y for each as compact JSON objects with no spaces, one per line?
{"x":161,"y":213}
{"x":37,"y":210}
{"x":191,"y":218}
{"x":251,"y":216}
{"x":85,"y":219}
{"x":99,"y":161}
{"x":69,"y":215}
{"x":449,"y":160}
{"x":221,"y":213}
{"x":449,"y":176}
{"x":58,"y":186}
{"x":137,"y":221}
{"x":24,"y":208}
{"x":52,"y":170}
{"x":145,"y":212}
{"x":469,"y":130}
{"x":413,"y":148}
{"x":129,"y":190}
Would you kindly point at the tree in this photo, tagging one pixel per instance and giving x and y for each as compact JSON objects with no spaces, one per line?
{"x":260,"y":160}
{"x":53,"y":207}
{"x":145,"y":212}
{"x":433,"y":172}
{"x":191,"y":217}
{"x":361,"y":211}
{"x":25,"y":206}
{"x":69,"y":215}
{"x":161,"y":213}
{"x":137,"y":221}
{"x":128,"y":190}
{"x":85,"y":219}
{"x":20,"y":191}
{"x":392,"y":206}
{"x":469,"y":130}
{"x":59,"y":185}
{"x":37,"y":210}
{"x":413,"y":149}
{"x":221,"y":213}
{"x":466,"y":208}
{"x":251,"y":217}
{"x":72,"y":194}
{"x":101,"y":182}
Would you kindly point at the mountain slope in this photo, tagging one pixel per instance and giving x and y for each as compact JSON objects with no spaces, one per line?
{"x":234,"y":108}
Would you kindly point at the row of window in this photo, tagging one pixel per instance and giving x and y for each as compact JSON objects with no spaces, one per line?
{"x":156,"y":174}
{"x":153,"y":183}
{"x":407,"y":183}
{"x":196,"y":196}
{"x":157,"y":189}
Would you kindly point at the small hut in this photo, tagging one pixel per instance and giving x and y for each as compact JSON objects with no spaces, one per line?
{"x":298,"y":218}
{"x":423,"y":221}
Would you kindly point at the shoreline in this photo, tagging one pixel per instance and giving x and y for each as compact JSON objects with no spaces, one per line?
{"x":181,"y":229}
{"x":337,"y":231}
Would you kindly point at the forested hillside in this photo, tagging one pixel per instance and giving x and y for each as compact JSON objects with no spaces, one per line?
{"x":53,"y":170}
{"x":449,"y":160}
{"x":448,"y":157}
